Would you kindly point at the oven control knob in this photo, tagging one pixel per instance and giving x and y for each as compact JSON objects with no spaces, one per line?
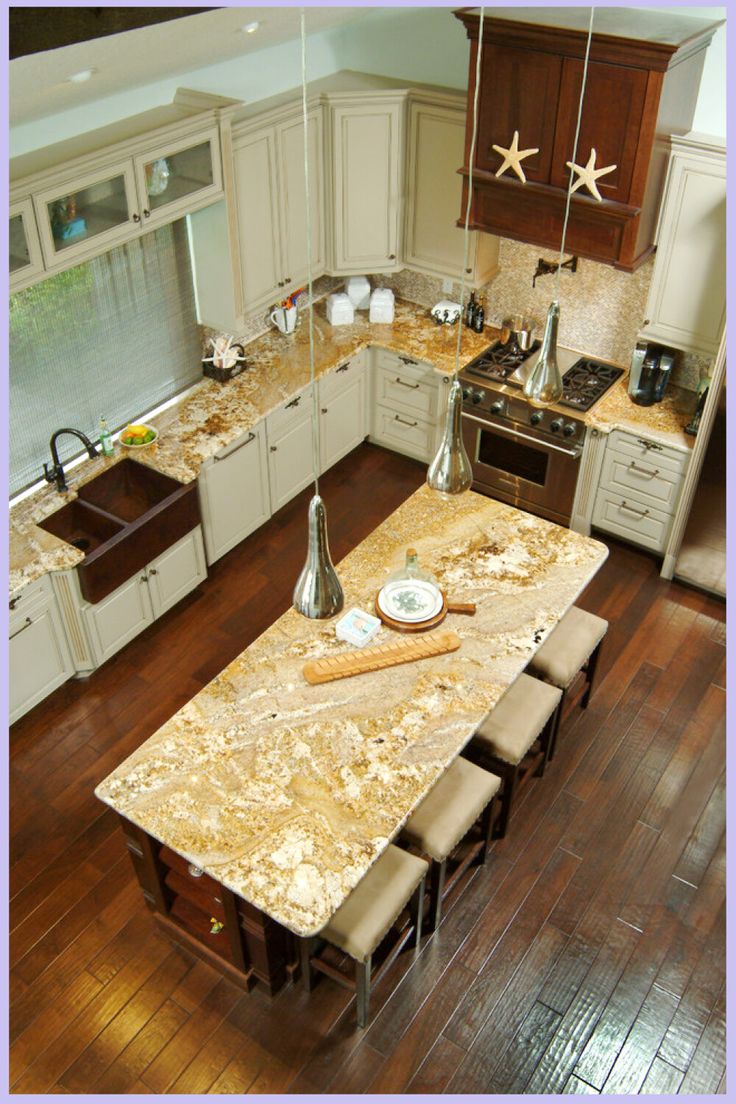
{"x":568,"y":430}
{"x":556,"y":425}
{"x":478,"y":396}
{"x":535,"y":417}
{"x":467,"y":392}
{"x":497,"y":407}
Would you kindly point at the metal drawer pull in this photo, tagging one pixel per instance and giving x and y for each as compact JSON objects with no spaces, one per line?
{"x":14,"y":601}
{"x":639,"y":513}
{"x":294,"y":402}
{"x":407,"y":360}
{"x":23,"y":628}
{"x":403,"y":422}
{"x":411,"y":386}
{"x":649,"y":444}
{"x":195,"y":871}
{"x":343,"y":367}
{"x":643,"y":471}
{"x":224,"y":455}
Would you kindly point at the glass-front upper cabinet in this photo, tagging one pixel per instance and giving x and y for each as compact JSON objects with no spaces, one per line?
{"x":179,"y":178}
{"x":26,"y":260}
{"x":77,"y":218}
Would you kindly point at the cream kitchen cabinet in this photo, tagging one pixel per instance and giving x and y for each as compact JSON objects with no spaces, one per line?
{"x":148,"y":594}
{"x":686,"y":306}
{"x":233,"y":492}
{"x":342,"y":410}
{"x":433,"y":243}
{"x":290,"y":448}
{"x":39,"y":657}
{"x":270,"y":201}
{"x":639,"y":488}
{"x":107,"y":186}
{"x":366,"y":146}
{"x":26,"y":259}
{"x":405,"y":404}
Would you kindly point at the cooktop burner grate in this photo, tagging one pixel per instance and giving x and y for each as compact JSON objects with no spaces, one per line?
{"x":499,"y":361}
{"x":586,"y":381}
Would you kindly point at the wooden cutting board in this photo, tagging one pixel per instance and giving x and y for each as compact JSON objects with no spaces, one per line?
{"x":378,"y":656}
{"x":429,"y":622}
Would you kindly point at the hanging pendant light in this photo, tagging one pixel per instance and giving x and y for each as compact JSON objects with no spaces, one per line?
{"x":544,"y":386}
{"x":318,"y":593}
{"x":450,"y":471}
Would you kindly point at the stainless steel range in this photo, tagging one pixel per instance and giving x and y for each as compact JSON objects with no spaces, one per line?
{"x":520,"y":454}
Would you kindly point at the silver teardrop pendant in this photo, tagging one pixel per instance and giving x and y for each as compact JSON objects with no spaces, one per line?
{"x":318,"y":592}
{"x":450,"y":470}
{"x":544,"y":385}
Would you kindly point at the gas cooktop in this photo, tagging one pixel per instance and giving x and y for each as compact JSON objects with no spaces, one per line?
{"x":584,"y":382}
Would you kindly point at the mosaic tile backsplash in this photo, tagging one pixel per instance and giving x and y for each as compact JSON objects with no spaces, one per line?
{"x":601,"y":309}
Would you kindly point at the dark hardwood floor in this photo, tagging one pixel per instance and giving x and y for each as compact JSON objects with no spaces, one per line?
{"x":587,"y":956}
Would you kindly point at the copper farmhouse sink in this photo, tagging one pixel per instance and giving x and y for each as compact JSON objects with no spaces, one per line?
{"x":123,"y":519}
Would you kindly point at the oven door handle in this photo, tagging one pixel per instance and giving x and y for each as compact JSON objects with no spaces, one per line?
{"x":575,"y":453}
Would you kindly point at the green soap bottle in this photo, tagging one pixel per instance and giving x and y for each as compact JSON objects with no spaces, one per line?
{"x":106,"y":439}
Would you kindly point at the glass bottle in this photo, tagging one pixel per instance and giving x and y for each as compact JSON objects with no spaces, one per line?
{"x":544,"y":385}
{"x":105,"y":438}
{"x":470,"y":308}
{"x":479,"y":317}
{"x":411,"y":570}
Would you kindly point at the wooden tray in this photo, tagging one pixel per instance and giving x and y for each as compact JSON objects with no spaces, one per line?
{"x":378,"y":656}
{"x":430,"y":622}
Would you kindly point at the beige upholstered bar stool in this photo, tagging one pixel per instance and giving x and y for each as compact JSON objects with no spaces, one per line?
{"x":570,"y":649}
{"x":362,"y":922}
{"x":514,"y":740}
{"x":441,"y":825}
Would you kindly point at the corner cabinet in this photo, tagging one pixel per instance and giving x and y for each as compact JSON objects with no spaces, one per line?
{"x":645,"y":63}
{"x":100,"y":189}
{"x":233,"y":492}
{"x":686,"y":307}
{"x":366,"y":141}
{"x":433,"y":242}
{"x":39,"y":657}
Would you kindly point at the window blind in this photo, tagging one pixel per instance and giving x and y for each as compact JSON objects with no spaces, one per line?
{"x":115,"y":336}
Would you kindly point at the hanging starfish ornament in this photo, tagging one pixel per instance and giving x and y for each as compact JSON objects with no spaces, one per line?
{"x":513,"y":156}
{"x":588,"y":174}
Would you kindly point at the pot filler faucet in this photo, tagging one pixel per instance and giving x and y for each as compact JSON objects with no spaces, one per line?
{"x":56,"y":474}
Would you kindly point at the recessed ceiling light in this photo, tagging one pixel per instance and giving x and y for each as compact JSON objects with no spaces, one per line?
{"x":250,"y":28}
{"x":82,"y":76}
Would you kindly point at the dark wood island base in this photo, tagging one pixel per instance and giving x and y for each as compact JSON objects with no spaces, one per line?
{"x":249,"y":947}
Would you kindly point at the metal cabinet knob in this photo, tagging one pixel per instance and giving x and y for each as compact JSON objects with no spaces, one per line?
{"x":392,"y":256}
{"x":146,"y":213}
{"x":273,"y":448}
{"x":152,"y":571}
{"x":136,"y":217}
{"x":324,"y":409}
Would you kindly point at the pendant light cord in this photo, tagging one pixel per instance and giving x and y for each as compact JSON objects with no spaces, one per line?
{"x":466,"y":235}
{"x":310,"y":302}
{"x":574,"y":157}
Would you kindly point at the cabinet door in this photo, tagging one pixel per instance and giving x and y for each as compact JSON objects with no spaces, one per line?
{"x":256,"y":197}
{"x":233,"y":491}
{"x":175,"y":179}
{"x":612,"y":133}
{"x":176,"y":571}
{"x":39,"y":659}
{"x":82,"y":217}
{"x":290,"y":458}
{"x":433,"y":242}
{"x":292,"y":199}
{"x":26,"y":261}
{"x":687,"y":297}
{"x":366,"y":186}
{"x":118,"y":618}
{"x":342,"y":419}
{"x":519,"y":92}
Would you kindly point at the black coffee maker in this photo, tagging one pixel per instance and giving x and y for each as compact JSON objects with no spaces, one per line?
{"x":651,"y":367}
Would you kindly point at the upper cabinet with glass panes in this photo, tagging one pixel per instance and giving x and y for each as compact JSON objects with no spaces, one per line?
{"x":80,"y":197}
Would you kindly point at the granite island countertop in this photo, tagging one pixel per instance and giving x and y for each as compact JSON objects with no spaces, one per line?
{"x":287,"y":793}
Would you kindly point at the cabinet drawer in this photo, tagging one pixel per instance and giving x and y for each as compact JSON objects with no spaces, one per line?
{"x":32,"y":599}
{"x":404,"y":433}
{"x":289,"y":412}
{"x":626,"y":518}
{"x":404,"y":392}
{"x":645,"y":481}
{"x":656,"y":455}
{"x":399,"y":362}
{"x":342,"y":375}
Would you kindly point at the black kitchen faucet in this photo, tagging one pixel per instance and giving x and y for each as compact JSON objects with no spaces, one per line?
{"x":56,"y":474}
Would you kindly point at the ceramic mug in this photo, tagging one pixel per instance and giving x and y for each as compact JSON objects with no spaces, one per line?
{"x":284,"y":318}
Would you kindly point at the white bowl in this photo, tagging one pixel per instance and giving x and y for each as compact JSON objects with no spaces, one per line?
{"x":145,"y":444}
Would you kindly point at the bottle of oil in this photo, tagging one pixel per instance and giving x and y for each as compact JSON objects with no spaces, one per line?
{"x":479,"y":316}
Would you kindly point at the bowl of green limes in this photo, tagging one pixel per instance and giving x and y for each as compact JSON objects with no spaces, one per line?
{"x":138,"y":435}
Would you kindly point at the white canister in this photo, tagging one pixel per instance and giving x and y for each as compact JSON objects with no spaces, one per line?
{"x":382,"y":306}
{"x":340,"y":311}
{"x":358,"y":290}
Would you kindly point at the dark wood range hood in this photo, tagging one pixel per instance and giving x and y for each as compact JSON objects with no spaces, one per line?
{"x":643,"y":79}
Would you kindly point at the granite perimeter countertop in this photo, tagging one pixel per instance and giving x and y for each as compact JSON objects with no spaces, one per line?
{"x":286,"y":792}
{"x":665,"y":421}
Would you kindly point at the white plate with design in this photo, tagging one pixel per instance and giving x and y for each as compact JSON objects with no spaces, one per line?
{"x":410,"y":600}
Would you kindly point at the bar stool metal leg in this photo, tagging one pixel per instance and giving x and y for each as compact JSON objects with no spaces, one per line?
{"x":416,"y":911}
{"x":590,"y":675}
{"x":437,"y":872}
{"x":363,"y":986}
{"x":305,"y":952}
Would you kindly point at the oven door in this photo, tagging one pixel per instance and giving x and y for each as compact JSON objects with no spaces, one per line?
{"x":522,"y":468}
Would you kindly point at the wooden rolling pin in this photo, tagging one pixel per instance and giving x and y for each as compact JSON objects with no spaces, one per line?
{"x":380,"y":655}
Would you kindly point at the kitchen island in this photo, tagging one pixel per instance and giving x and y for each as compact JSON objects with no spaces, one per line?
{"x":282,"y":794}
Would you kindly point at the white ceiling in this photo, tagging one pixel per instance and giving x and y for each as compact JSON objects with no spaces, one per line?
{"x":39,"y":83}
